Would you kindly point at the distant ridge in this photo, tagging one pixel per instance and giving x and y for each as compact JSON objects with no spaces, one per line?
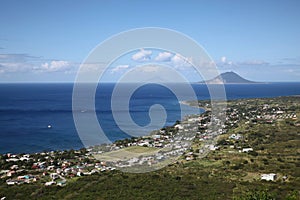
{"x":228,"y":78}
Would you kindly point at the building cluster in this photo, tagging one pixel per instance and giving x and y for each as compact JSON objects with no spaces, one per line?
{"x":50,"y":168}
{"x":259,"y":113}
{"x":167,"y":144}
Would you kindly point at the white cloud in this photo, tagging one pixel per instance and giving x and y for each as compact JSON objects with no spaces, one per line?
{"x":23,"y":63}
{"x":11,"y":67}
{"x":149,"y":68}
{"x":54,"y":66}
{"x":253,"y":62}
{"x":142,"y":55}
{"x":93,"y":66}
{"x":223,"y":59}
{"x":163,"y":57}
{"x":11,"y":63}
{"x":179,"y":61}
{"x":119,"y":68}
{"x":294,"y":72}
{"x":16,"y":57}
{"x":224,"y":62}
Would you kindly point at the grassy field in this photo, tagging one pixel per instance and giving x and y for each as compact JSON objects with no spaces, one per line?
{"x":127,"y":153}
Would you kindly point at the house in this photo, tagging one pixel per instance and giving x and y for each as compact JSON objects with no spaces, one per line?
{"x":145,"y":143}
{"x":50,"y":183}
{"x":193,"y":120}
{"x":189,"y":158}
{"x":12,"y":160}
{"x":62,"y":183}
{"x":11,"y":182}
{"x":212,"y":147}
{"x":79,"y":174}
{"x":156,"y":137}
{"x":178,"y":126}
{"x":235,"y":136}
{"x":160,"y":157}
{"x":246,"y":150}
{"x":59,"y":170}
{"x":268,"y":177}
{"x":54,"y":176}
{"x":284,"y":178}
{"x":10,"y":173}
{"x":158,"y":145}
{"x":4,"y":172}
{"x":25,"y":157}
{"x":51,"y":167}
{"x":14,"y":167}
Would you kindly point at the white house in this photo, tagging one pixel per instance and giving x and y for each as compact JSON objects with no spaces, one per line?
{"x":268,"y":177}
{"x":193,"y":119}
{"x":180,"y":127}
{"x":235,"y":136}
{"x":80,"y":173}
{"x":14,"y":167}
{"x":246,"y":150}
{"x":189,"y":158}
{"x":54,"y":176}
{"x":12,"y":160}
{"x":51,"y":167}
{"x":156,"y":137}
{"x":11,"y":182}
{"x":144,"y":144}
{"x":213,"y":147}
{"x":50,"y":183}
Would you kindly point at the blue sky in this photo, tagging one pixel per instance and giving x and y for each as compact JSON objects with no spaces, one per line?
{"x":45,"y":41}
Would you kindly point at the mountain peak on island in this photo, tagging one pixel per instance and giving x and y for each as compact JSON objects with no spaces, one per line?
{"x":228,"y":78}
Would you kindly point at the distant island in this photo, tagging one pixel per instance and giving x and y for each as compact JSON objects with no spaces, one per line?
{"x":228,"y":78}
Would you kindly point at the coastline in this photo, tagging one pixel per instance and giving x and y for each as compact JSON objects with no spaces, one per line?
{"x":186,"y":117}
{"x":109,"y":154}
{"x":35,"y":129}
{"x":187,"y":103}
{"x":42,"y":167}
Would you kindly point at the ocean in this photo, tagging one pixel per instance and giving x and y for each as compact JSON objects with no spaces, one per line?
{"x":26,"y":111}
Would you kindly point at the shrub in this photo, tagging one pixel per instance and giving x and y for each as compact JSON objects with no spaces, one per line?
{"x":257,"y":195}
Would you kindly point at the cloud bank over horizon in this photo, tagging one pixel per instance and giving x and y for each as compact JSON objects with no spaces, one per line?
{"x":35,"y":67}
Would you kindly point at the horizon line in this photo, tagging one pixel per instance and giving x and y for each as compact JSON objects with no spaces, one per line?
{"x":194,"y":82}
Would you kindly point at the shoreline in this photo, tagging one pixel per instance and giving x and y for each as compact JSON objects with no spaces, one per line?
{"x":185,"y":102}
{"x":76,"y":149}
{"x":194,"y":106}
{"x":171,"y":143}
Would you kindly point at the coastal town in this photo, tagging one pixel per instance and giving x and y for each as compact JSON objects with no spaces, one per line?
{"x":189,"y":140}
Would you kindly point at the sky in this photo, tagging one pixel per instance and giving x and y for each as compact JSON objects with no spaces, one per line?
{"x":46,"y":41}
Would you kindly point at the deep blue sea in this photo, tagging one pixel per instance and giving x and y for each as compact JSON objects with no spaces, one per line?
{"x":26,"y":110}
